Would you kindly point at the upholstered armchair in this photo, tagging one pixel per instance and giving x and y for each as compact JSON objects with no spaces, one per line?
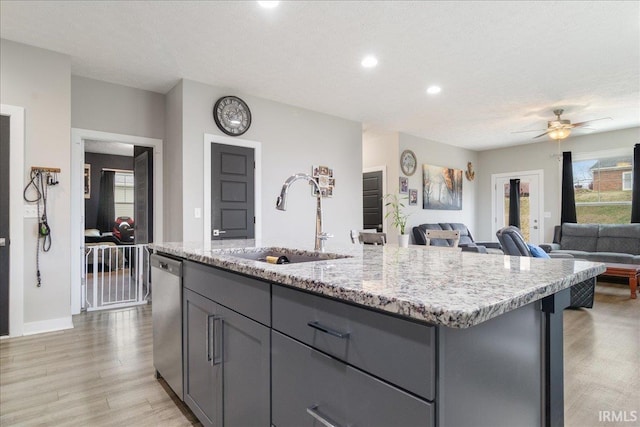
{"x":513,"y":244}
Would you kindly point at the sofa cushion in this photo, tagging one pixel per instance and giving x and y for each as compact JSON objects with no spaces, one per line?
{"x":616,"y":257}
{"x":580,"y":237}
{"x":623,"y":238}
{"x":575,"y":254}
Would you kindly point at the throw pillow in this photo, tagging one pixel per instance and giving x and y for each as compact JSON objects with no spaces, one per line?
{"x":537,"y":251}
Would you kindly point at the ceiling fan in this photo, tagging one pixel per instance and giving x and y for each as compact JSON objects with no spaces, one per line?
{"x":561,"y":128}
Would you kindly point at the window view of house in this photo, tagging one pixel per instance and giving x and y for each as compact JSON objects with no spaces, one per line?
{"x":603,"y":190}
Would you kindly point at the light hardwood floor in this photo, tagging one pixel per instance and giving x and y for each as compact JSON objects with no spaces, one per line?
{"x":101,"y":373}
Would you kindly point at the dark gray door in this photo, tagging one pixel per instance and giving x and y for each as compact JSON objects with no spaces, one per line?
{"x":372,"y":200}
{"x":4,"y":225}
{"x":143,"y":190}
{"x":232,"y":192}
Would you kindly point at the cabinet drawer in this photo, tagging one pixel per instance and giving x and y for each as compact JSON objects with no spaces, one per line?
{"x":247,"y":296}
{"x":383,"y":345}
{"x":306,"y":383}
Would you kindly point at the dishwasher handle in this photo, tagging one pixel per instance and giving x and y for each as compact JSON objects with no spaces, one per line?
{"x":166,"y":264}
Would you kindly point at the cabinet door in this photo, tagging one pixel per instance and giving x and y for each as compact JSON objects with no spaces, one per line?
{"x":202,"y":367}
{"x":311,"y":389}
{"x":246,"y":369}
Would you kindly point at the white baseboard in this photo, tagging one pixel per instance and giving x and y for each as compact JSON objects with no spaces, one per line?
{"x":48,"y":325}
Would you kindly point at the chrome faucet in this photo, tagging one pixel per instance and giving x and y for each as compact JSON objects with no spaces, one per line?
{"x":281,"y":204}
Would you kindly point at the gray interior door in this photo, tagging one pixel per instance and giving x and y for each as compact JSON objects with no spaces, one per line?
{"x":4,"y":225}
{"x":232,"y":192}
{"x":372,"y":200}
{"x":143,"y":190}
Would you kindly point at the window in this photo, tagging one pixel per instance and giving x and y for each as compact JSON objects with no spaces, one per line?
{"x":602,"y":183}
{"x":627,"y":183}
{"x":123,"y":194}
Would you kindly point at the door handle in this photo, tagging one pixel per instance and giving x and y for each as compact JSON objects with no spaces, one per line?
{"x":217,"y":232}
{"x":3,"y":241}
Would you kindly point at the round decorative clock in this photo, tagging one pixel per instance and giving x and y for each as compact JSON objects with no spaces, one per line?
{"x":232,"y":115}
{"x":408,"y":162}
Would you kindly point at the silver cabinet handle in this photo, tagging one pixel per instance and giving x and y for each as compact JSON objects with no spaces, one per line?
{"x":323,"y":419}
{"x":214,"y":340}
{"x":326,"y":330}
{"x":217,"y":232}
{"x":218,"y":341}
{"x":3,"y":241}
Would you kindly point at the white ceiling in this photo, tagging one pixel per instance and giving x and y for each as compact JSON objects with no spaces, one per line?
{"x":503,"y":66}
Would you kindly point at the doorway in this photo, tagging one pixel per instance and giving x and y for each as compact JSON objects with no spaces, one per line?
{"x":78,"y":138}
{"x":15,"y":238}
{"x":232,"y":192}
{"x":208,"y":143}
{"x":372,"y":201}
{"x":531,"y":203}
{"x":374,"y":187}
{"x":4,"y":224}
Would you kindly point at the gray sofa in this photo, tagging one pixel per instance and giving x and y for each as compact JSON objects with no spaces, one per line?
{"x":619,"y":243}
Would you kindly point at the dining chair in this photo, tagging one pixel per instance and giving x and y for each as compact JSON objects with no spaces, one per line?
{"x":452,"y":236}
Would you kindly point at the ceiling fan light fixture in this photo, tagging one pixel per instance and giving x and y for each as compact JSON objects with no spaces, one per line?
{"x":560,"y":133}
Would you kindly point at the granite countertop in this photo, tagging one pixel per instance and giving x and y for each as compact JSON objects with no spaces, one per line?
{"x":438,"y":286}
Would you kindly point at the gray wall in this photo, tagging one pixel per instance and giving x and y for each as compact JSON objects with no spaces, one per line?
{"x":437,"y":154}
{"x":383,"y":148}
{"x":107,"y":107}
{"x":172,"y":166}
{"x":39,"y":80}
{"x":292,"y":141}
{"x":540,"y":155}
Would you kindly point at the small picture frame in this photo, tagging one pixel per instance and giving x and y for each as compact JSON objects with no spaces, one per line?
{"x":413,"y":197}
{"x":404,"y":185}
{"x":324,"y":177}
{"x":87,"y":181}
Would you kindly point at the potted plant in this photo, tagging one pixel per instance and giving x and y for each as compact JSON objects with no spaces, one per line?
{"x":399,"y":218}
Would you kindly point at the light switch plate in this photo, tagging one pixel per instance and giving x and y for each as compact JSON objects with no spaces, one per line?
{"x":547,"y":214}
{"x":31,"y":211}
{"x":197,"y":213}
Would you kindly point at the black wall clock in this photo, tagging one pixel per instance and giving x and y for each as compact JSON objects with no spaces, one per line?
{"x":232,"y":115}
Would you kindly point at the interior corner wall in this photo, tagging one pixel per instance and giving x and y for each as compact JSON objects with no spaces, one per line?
{"x":172,"y":166}
{"x":113,"y":108}
{"x":438,"y":154}
{"x":40,"y":81}
{"x":545,"y":155}
{"x":292,"y":140}
{"x":380,"y":148}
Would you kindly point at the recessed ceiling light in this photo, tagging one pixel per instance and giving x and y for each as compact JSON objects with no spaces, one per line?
{"x":369,"y":61}
{"x":432,"y":90}
{"x":269,"y":4}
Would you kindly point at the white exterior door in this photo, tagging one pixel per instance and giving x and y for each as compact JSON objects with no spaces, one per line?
{"x":531,"y":205}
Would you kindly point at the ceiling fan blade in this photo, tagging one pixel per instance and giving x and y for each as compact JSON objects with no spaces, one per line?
{"x":542,"y":134}
{"x":532,"y":130}
{"x":576,"y":125}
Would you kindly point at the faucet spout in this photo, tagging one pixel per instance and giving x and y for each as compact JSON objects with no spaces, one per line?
{"x":281,"y":204}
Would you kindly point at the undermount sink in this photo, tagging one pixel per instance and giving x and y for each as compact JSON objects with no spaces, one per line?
{"x":294,"y":256}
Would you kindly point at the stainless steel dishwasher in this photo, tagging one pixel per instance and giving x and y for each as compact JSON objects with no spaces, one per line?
{"x":166,"y":276}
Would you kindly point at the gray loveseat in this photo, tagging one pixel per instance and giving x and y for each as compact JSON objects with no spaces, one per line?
{"x":618,"y":243}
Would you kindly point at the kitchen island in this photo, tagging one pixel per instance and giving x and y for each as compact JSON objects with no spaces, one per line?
{"x":374,"y":335}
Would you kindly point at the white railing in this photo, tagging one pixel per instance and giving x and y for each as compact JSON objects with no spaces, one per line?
{"x":115,"y":276}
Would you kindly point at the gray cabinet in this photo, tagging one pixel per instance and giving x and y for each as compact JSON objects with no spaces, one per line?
{"x":226,"y":355}
{"x":312,"y":389}
{"x":376,"y":343}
